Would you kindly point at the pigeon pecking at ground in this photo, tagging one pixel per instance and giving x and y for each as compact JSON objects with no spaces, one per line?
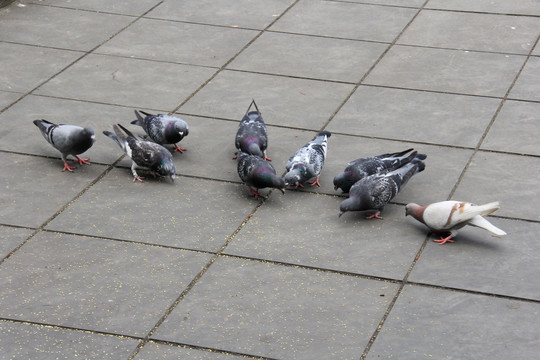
{"x":307,"y":162}
{"x":360,"y":168}
{"x":251,"y":136}
{"x":375,"y":191}
{"x":449,"y":216}
{"x":68,"y":139}
{"x":258,"y":173}
{"x":163,"y":129}
{"x":144,"y":154}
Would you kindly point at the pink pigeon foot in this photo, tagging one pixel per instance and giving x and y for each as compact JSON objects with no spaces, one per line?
{"x":67,"y":167}
{"x":375,"y":216}
{"x":316,"y":182}
{"x":178,"y":148}
{"x":138,"y":178}
{"x":82,"y":161}
{"x":254,"y":193}
{"x":444,"y":240}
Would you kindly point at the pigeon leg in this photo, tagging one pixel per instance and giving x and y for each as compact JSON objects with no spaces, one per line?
{"x":178,"y":148}
{"x":299,"y":186}
{"x":375,"y":216}
{"x":254,"y":193}
{"x":82,"y":161}
{"x":66,"y":166}
{"x":136,"y":176}
{"x":316,"y":182}
{"x":266,"y":157}
{"x":444,"y":240}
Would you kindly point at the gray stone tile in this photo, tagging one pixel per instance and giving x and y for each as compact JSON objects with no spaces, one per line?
{"x":190,"y":213}
{"x":439,"y":324}
{"x":305,"y":229}
{"x":478,"y":261}
{"x":330,"y":18}
{"x":522,"y":7}
{"x":153,"y":351}
{"x":510,"y":179}
{"x":59,"y":27}
{"x":278,"y":311}
{"x":198,"y":44}
{"x":127,"y":7}
{"x":29,"y":66}
{"x":94,"y":284}
{"x":99,"y":117}
{"x":299,"y":55}
{"x":486,"y":32}
{"x":409,"y":3}
{"x":516,"y":120}
{"x":130,"y":82}
{"x":415,"y":116}
{"x":27,"y":341}
{"x":453,"y":71}
{"x":279,"y":99}
{"x":10,"y":238}
{"x":236,"y":13}
{"x":36,"y":188}
{"x":526,"y":84}
{"x":7,"y":98}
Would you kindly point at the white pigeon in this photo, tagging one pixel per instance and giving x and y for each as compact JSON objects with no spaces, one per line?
{"x":449,"y":216}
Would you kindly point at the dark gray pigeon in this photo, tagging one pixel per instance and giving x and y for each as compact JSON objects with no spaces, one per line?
{"x":380,"y":164}
{"x":163,"y":129}
{"x":68,"y":139}
{"x":307,"y":162}
{"x":258,"y":173}
{"x":375,"y":191}
{"x":144,"y":154}
{"x":251,"y":136}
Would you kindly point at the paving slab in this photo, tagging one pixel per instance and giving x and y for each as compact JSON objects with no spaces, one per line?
{"x":285,"y":101}
{"x":244,"y":13}
{"x":516,"y":120}
{"x":334,"y":19}
{"x":454,"y":71}
{"x":152,"y":351}
{"x":522,"y":7}
{"x":428,"y":323}
{"x":415,"y":116}
{"x":17,"y":125}
{"x":7,"y":98}
{"x":299,"y":55}
{"x":28,"y":341}
{"x":304,"y":229}
{"x":29,"y":197}
{"x":278,"y":311}
{"x":30,"y":66}
{"x":198,"y":44}
{"x":525,"y":87}
{"x":129,"y":82}
{"x":509,"y":179}
{"x":189,"y":213}
{"x":477,"y":261}
{"x":125,"y":7}
{"x":11,"y":237}
{"x":406,"y":3}
{"x":95,"y":284}
{"x":513,"y":34}
{"x":59,"y":27}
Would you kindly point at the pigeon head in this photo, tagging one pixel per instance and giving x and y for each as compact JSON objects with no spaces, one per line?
{"x":83,"y":140}
{"x":166,"y":168}
{"x":360,"y":202}
{"x":296,"y":175}
{"x":415,"y":210}
{"x":254,"y":148}
{"x":347,"y":179}
{"x":263,"y":177}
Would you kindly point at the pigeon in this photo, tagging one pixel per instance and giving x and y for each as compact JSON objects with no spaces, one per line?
{"x":144,"y":154}
{"x":258,"y":173}
{"x":251,"y":136}
{"x":68,"y":139}
{"x":363,"y":167}
{"x":307,"y":162}
{"x":449,"y":216}
{"x":375,"y":191}
{"x":163,"y":129}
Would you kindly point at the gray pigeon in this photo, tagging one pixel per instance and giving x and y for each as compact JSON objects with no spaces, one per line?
{"x":380,"y":164}
{"x":251,"y":136}
{"x":375,"y":191}
{"x":163,"y":129}
{"x":258,"y":173}
{"x":68,"y":139}
{"x":449,"y":216}
{"x":144,"y":154}
{"x":307,"y":162}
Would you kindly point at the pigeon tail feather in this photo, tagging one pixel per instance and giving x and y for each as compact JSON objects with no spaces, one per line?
{"x":480,"y":222}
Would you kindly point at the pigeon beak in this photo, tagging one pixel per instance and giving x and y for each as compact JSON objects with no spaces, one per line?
{"x":282,"y":190}
{"x":335,"y":188}
{"x":341,"y":213}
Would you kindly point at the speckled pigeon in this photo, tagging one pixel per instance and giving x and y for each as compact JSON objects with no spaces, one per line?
{"x":144,"y":154}
{"x":360,"y":168}
{"x":68,"y":139}
{"x":375,"y":191}
{"x":251,"y":136}
{"x":258,"y":173}
{"x":163,"y":129}
{"x":449,"y":216}
{"x":307,"y":162}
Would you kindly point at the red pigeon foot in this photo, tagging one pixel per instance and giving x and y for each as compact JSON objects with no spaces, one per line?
{"x":67,"y":167}
{"x":138,"y":178}
{"x":254,"y":193}
{"x":82,"y":161}
{"x":178,"y":148}
{"x":316,"y":182}
{"x":375,"y":216}
{"x":444,"y":240}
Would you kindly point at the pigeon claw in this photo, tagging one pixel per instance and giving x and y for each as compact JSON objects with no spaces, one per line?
{"x":443,"y":241}
{"x":375,"y":216}
{"x":67,"y":167}
{"x":138,"y":178}
{"x":178,"y":148}
{"x":316,"y":182}
{"x":255,"y":193}
{"x":82,"y":161}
